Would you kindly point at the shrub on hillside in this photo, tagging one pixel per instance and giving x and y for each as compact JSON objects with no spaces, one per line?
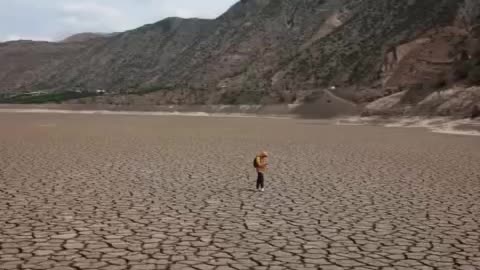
{"x":461,"y":70}
{"x":474,"y":76}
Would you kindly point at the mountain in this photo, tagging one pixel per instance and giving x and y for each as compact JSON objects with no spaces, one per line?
{"x":22,"y":62}
{"x":264,"y":51}
{"x":83,"y":37}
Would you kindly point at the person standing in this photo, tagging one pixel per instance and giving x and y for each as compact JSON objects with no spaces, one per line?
{"x":260,"y":164}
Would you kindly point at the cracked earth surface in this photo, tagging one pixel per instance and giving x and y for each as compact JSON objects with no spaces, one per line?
{"x":139,"y":192}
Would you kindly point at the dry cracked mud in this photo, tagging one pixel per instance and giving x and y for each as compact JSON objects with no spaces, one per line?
{"x":140,"y":192}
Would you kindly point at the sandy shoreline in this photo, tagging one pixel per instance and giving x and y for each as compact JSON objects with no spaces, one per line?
{"x":442,"y":125}
{"x":318,"y":110}
{"x":283,"y":109}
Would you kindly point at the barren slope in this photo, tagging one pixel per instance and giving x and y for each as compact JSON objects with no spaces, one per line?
{"x":260,"y":51}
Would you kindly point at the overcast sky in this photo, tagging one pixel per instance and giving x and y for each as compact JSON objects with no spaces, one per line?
{"x":56,"y":19}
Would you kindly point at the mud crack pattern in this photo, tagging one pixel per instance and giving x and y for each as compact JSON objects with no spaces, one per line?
{"x":139,"y":192}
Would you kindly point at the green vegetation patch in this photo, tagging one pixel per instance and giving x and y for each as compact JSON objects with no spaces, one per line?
{"x":152,"y":89}
{"x":57,"y":97}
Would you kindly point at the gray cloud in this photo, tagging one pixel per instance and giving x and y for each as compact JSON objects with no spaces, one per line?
{"x":56,"y":19}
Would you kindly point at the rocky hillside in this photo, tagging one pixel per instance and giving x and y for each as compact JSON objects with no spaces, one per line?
{"x":263,"y":51}
{"x":22,"y":62}
{"x":84,"y":37}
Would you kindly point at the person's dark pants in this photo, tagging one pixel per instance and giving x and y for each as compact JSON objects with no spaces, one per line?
{"x":260,"y":180}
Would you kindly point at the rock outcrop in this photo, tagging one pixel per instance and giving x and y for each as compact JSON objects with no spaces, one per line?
{"x":457,"y":102}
